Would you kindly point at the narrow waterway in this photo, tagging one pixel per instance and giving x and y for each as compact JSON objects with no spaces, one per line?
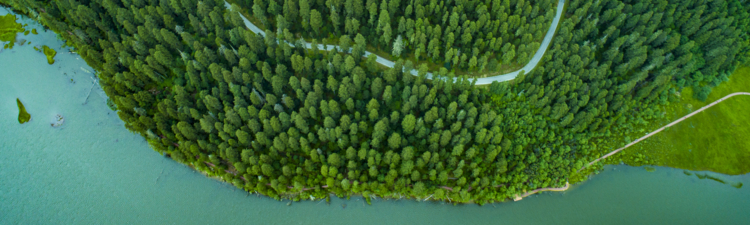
{"x":91,"y":170}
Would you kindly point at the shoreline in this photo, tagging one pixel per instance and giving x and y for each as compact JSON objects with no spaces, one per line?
{"x":516,"y":197}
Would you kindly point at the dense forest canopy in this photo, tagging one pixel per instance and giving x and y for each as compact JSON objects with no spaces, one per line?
{"x":467,"y":35}
{"x":290,"y":122}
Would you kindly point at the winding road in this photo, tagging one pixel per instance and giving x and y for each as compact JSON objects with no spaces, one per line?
{"x":664,"y":127}
{"x":479,"y":81}
{"x":510,"y":76}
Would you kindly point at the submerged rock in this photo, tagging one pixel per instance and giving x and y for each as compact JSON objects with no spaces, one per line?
{"x":23,"y":116}
{"x":59,"y":120}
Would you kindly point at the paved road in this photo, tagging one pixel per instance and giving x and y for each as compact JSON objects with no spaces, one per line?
{"x":479,"y":81}
{"x":664,"y":127}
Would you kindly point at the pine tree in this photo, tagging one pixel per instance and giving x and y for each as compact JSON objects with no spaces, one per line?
{"x":398,"y":46}
{"x":316,"y":21}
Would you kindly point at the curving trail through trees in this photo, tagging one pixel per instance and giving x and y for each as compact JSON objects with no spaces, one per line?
{"x":664,"y":127}
{"x":519,"y":197}
{"x":479,"y":81}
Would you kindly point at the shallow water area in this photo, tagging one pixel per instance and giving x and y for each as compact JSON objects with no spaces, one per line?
{"x":91,"y":170}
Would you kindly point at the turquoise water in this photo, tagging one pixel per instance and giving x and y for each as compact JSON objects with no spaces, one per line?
{"x":93,"y":171}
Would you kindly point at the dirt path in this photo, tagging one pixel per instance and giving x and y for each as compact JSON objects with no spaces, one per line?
{"x":519,"y":197}
{"x":664,"y":127}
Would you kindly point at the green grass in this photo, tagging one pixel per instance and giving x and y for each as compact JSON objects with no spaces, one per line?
{"x":50,"y":53}
{"x":8,"y":29}
{"x":717,"y":139}
{"x":23,"y":116}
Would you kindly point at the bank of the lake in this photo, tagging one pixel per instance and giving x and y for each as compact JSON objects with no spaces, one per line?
{"x":714,"y":139}
{"x":91,"y":170}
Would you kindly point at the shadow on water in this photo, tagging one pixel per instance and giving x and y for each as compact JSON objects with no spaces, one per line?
{"x":715,"y":177}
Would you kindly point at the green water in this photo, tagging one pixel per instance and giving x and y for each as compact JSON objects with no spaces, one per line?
{"x":91,"y":170}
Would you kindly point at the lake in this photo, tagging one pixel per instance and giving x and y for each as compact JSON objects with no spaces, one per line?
{"x":92,"y":170}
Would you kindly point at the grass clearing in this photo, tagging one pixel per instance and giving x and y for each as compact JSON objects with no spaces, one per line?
{"x":718,"y":139}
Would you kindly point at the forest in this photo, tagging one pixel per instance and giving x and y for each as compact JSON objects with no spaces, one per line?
{"x":464,"y":35}
{"x":295,"y":123}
